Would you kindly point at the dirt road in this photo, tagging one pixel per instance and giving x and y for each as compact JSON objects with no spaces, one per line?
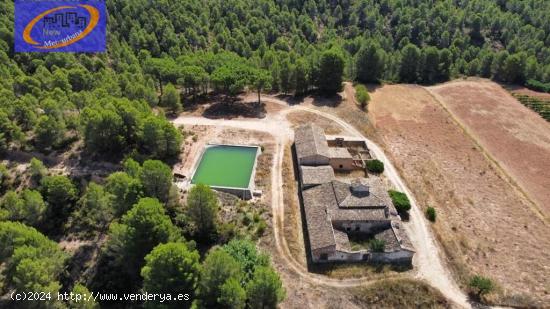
{"x":428,"y":263}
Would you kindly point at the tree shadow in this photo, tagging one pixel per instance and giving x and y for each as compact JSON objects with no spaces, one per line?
{"x":330,"y":101}
{"x":232,"y":107}
{"x":78,"y":264}
{"x":405,"y":216}
{"x":194,"y":103}
{"x":317,"y":99}
{"x":290,"y":99}
{"x":372,"y":88}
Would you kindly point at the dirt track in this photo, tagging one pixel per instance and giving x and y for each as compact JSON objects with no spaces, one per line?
{"x":427,"y":262}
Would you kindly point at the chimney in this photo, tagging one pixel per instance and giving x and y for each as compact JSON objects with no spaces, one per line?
{"x":359,"y":189}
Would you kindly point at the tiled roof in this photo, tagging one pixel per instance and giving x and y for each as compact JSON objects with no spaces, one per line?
{"x":309,"y":141}
{"x":321,"y":209}
{"x":319,"y":226}
{"x":376,"y":196}
{"x":342,"y":241}
{"x":395,"y":238}
{"x":314,"y":175}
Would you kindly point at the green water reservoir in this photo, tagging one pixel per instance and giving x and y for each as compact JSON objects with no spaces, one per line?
{"x":226,"y":166}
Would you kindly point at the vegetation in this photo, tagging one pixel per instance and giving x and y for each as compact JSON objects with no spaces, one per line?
{"x":400,"y":201}
{"x":400,"y":293}
{"x":171,"y":99}
{"x":481,"y":285}
{"x":541,"y":106}
{"x":140,"y":230}
{"x":4,"y":177}
{"x":430,"y":214}
{"x":125,"y":190}
{"x":32,"y":261}
{"x":94,"y":210}
{"x":537,"y":85}
{"x":202,"y":209}
{"x":219,"y":269}
{"x":27,"y":207}
{"x":237,"y":273}
{"x":375,"y":166}
{"x":362,"y":96}
{"x":250,"y":217}
{"x":171,"y":268}
{"x":265,"y":290}
{"x":38,"y":170}
{"x":156,"y":178}
{"x":377,"y":245}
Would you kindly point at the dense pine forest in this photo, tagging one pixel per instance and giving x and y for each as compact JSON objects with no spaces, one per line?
{"x":112,"y":107}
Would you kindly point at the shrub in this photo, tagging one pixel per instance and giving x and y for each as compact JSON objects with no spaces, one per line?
{"x":375,"y":166}
{"x":536,"y":85}
{"x":430,"y":214}
{"x":247,"y":219}
{"x":226,"y":232}
{"x":362,"y":95}
{"x":400,"y":200}
{"x":37,"y":169}
{"x":377,"y":245}
{"x":4,"y":177}
{"x":481,"y":285}
{"x":260,"y":230}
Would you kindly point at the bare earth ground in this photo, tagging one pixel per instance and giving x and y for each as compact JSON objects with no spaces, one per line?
{"x":484,"y":224}
{"x":515,"y":136}
{"x":299,"y":117}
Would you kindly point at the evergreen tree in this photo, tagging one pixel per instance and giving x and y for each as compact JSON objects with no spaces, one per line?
{"x":265,"y":290}
{"x":369,"y":63}
{"x":301,"y":77}
{"x":410,"y":59}
{"x":171,"y":99}
{"x":331,"y":70}
{"x":218,"y":269}
{"x":156,"y":178}
{"x":171,"y":268}
{"x":202,"y":210}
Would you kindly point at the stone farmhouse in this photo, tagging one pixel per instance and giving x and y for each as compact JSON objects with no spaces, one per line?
{"x":314,"y":146}
{"x":336,"y":211}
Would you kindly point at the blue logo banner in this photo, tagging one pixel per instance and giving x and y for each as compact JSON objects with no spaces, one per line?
{"x":60,"y":26}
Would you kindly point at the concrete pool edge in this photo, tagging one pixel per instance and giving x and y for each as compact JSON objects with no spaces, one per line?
{"x":244,"y":193}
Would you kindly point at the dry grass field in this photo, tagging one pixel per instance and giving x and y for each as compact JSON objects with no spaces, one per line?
{"x":485,"y":225}
{"x":381,"y":295}
{"x":299,"y":118}
{"x":516,"y":137}
{"x":293,"y":232}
